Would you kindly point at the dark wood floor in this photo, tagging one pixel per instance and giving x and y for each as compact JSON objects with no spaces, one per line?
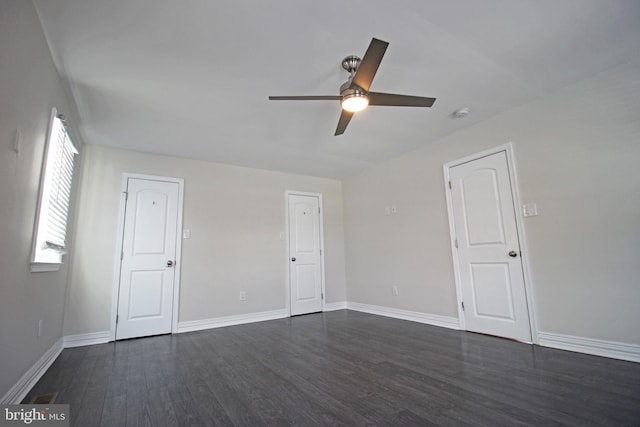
{"x":340,"y":368}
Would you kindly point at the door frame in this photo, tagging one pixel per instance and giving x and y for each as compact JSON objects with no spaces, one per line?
{"x":522,"y":240}
{"x":288,"y":254}
{"x":119,"y":242}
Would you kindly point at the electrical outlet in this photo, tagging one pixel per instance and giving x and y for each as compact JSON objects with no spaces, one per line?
{"x":39,"y":328}
{"x":243,"y":295}
{"x":530,"y":209}
{"x":394,"y":289}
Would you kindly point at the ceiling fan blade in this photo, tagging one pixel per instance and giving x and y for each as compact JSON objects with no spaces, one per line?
{"x":395,"y":100}
{"x":369,"y":64}
{"x":345,"y":117}
{"x":306,"y":98}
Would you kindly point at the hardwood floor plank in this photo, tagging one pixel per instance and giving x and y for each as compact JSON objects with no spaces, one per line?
{"x":295,"y":391}
{"x":288,"y":396}
{"x":114,"y":411}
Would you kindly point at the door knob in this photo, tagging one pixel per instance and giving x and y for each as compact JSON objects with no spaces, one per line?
{"x":293,"y":259}
{"x":169,"y":263}
{"x":513,"y":254}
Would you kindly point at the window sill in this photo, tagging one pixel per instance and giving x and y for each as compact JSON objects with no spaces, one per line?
{"x":41,"y":267}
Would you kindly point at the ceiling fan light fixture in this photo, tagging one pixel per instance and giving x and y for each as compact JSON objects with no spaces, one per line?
{"x":354,"y":102}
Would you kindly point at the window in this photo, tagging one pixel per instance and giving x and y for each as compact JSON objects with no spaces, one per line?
{"x":55,"y":194}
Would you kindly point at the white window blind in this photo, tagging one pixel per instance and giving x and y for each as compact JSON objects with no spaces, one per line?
{"x":55,"y":195}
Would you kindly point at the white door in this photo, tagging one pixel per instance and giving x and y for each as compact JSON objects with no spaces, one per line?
{"x":490,"y":268}
{"x":147,"y":274}
{"x":305,"y":266}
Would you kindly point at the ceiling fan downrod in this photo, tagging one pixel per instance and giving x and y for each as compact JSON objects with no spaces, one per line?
{"x":350,"y":64}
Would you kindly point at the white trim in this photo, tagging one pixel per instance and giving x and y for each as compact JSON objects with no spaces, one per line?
{"x":612,"y":349}
{"x":452,"y":238}
{"x":413,"y":316}
{"x":321,"y":218}
{"x":178,"y":266}
{"x":31,"y":377}
{"x":287,"y":297}
{"x":240,"y":319}
{"x":41,"y":267}
{"x":115,"y":291}
{"x":524,"y":252}
{"x":333,"y":306}
{"x":117,"y":256}
{"x":528,"y":281}
{"x":81,"y":340}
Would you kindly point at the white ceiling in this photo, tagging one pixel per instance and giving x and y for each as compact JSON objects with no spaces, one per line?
{"x":191,"y":78}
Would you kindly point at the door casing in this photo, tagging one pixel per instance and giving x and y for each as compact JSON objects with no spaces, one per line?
{"x":321,"y":220}
{"x":118,"y":254}
{"x":508,"y":149}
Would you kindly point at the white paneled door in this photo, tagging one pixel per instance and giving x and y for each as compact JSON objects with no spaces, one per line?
{"x":147,"y":274}
{"x":490,"y":272}
{"x":305,"y":263}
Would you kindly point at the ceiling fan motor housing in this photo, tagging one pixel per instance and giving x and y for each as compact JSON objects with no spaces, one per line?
{"x":346,"y":91}
{"x":347,"y":88}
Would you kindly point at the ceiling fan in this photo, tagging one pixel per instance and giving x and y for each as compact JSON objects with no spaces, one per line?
{"x":354,"y":93}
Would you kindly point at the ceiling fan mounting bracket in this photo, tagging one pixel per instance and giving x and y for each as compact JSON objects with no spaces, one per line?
{"x":351,"y":63}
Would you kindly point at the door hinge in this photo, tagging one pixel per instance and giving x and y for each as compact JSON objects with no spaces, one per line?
{"x":318,"y":210}
{"x":126,"y":195}
{"x":117,"y":318}
{"x":321,"y":296}
{"x":456,"y":243}
{"x":462,"y":302}
{"x":450,"y":185}
{"x":121,"y":255}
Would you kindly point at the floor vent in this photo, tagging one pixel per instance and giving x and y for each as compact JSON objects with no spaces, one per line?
{"x":44,"y":399}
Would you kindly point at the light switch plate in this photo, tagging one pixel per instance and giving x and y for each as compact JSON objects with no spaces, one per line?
{"x":186,"y":234}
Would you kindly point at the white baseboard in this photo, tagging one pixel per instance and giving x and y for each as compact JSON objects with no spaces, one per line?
{"x":413,"y":316}
{"x":86,"y":339}
{"x":218,"y":322}
{"x":612,"y":349}
{"x":31,"y":377}
{"x":333,"y":306}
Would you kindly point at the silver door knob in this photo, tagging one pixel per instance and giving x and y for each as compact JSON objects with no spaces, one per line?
{"x":169,"y":263}
{"x":293,"y":259}
{"x":513,"y":254}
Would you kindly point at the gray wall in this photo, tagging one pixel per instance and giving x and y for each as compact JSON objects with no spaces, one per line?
{"x":577,"y":153}
{"x":29,"y":88}
{"x":235,"y":216}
